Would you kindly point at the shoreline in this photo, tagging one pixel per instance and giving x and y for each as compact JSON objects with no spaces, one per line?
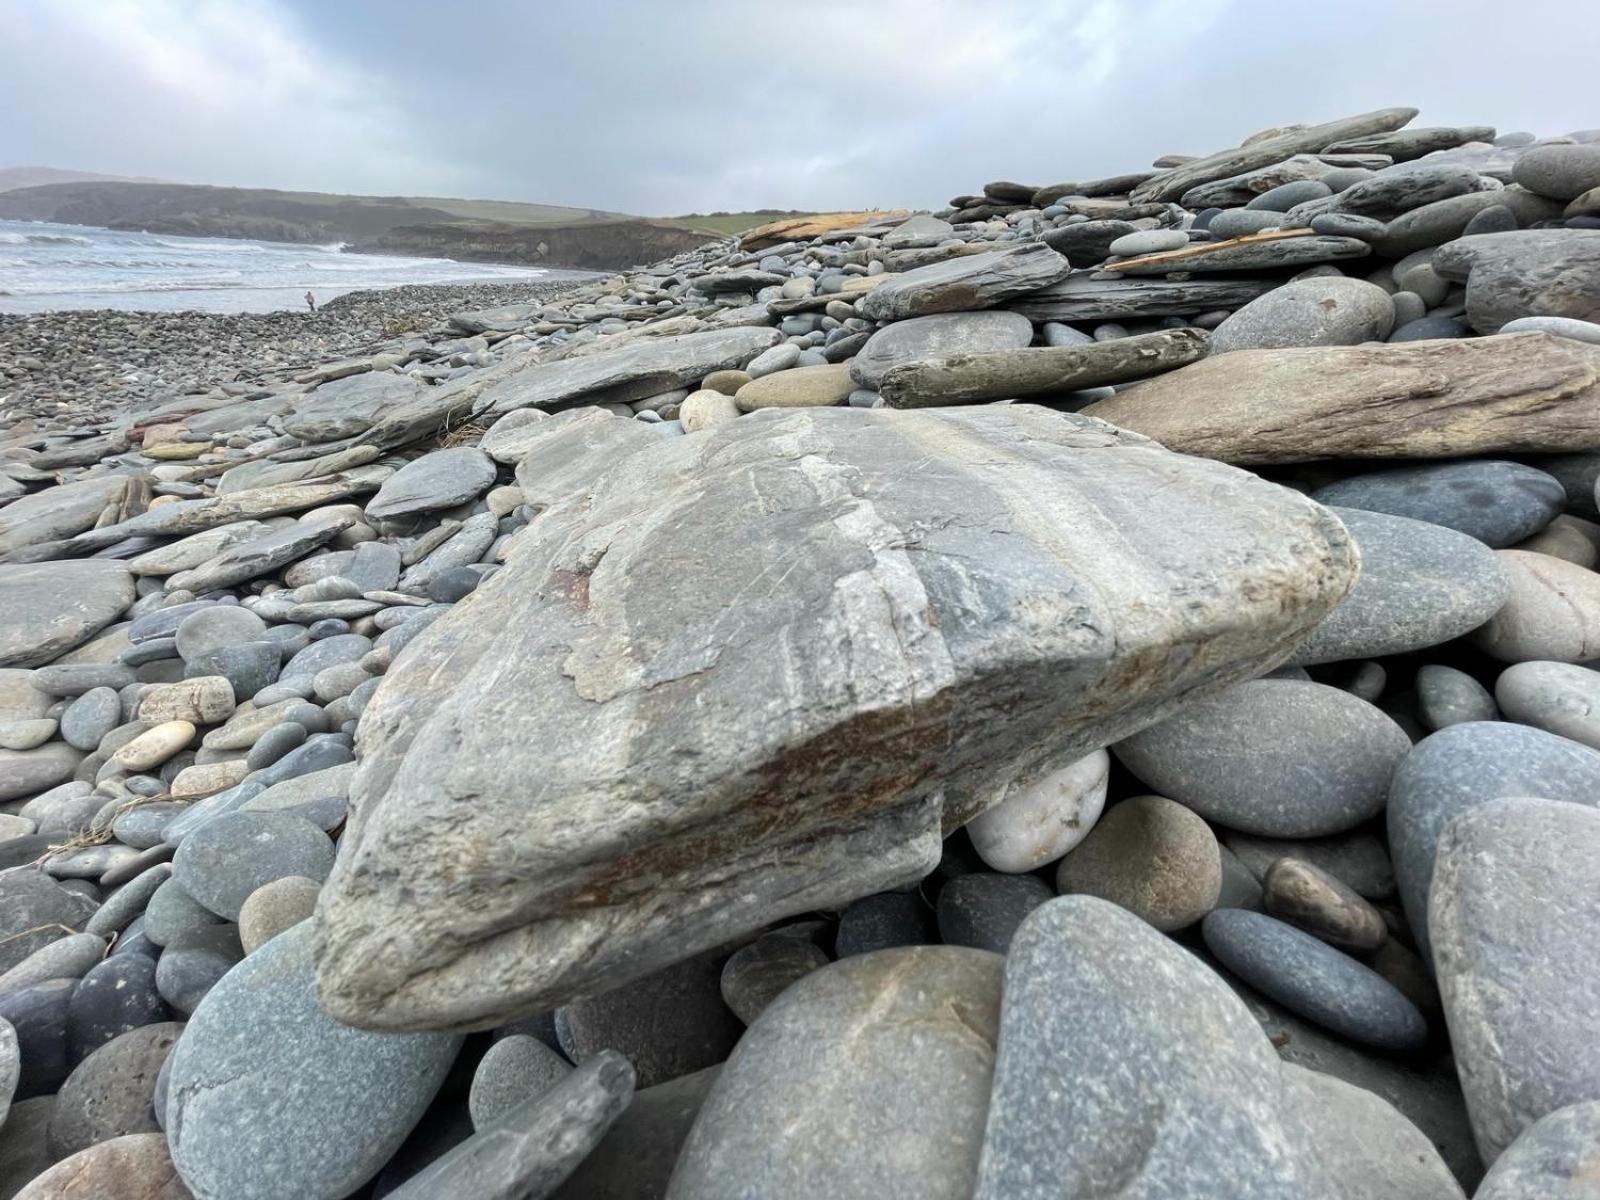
{"x":90,"y":363}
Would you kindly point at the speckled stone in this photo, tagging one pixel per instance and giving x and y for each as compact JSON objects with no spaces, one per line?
{"x":1151,"y":856}
{"x":1464,"y":766}
{"x":135,"y":1167}
{"x":1446,"y":696}
{"x":1561,"y":698}
{"x":983,"y":910}
{"x":756,"y":975}
{"x":109,"y":1094}
{"x":223,"y":862}
{"x":1314,"y":980}
{"x":116,"y":996}
{"x":1126,"y":1063}
{"x":868,"y":1078}
{"x":1512,"y":920}
{"x":1420,"y":585}
{"x":274,"y":907}
{"x":1272,"y":756}
{"x":1326,"y":908}
{"x":513,"y":1071}
{"x":261,"y":1040}
{"x":883,"y":920}
{"x":1552,"y":612}
{"x":1556,"y":1158}
{"x":1499,"y":503}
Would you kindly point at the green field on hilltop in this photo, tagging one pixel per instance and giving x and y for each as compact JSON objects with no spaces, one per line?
{"x":726,"y":223}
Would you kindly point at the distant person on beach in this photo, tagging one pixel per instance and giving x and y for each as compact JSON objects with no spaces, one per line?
{"x":311,"y":302}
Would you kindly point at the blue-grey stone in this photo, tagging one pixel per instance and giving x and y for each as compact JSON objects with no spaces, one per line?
{"x":1514,"y":935}
{"x":1499,"y":503}
{"x":866,"y":1079}
{"x":1286,"y":195}
{"x":221,"y":863}
{"x":329,"y":652}
{"x":172,"y":914}
{"x":1460,"y":768}
{"x":531,"y":1150}
{"x":1446,"y":696}
{"x":194,"y":964}
{"x":248,"y":666}
{"x":90,"y":717}
{"x":636,"y":1158}
{"x":215,"y":627}
{"x":274,"y":744}
{"x":1561,"y":698}
{"x":1420,"y":584}
{"x":513,"y":1070}
{"x":1567,"y":327}
{"x":269,"y":1097}
{"x":438,"y":480}
{"x":1126,"y":1067}
{"x":34,"y":911}
{"x":116,"y":995}
{"x":983,"y":909}
{"x":1429,"y":329}
{"x":1312,"y":979}
{"x":128,"y":901}
{"x":756,"y":975}
{"x":1324,"y":310}
{"x":1277,"y":757}
{"x":936,"y":335}
{"x":1555,"y":1158}
{"x":38,"y":1017}
{"x":885,"y":919}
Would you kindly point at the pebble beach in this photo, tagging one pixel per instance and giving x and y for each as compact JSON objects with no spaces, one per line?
{"x":1087,"y":690}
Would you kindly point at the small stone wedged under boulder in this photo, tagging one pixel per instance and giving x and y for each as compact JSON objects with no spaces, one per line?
{"x":785,"y":711}
{"x":1525,"y":392}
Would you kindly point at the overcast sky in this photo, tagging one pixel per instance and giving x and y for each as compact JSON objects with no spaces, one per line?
{"x":692,"y":105}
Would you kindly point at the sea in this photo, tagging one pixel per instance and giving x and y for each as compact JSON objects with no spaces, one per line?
{"x":45,"y":267}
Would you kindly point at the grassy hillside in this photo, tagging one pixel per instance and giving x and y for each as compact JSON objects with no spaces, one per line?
{"x":724,"y":224}
{"x":23,"y":177}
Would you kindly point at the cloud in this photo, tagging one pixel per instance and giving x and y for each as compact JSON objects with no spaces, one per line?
{"x":668,"y":106}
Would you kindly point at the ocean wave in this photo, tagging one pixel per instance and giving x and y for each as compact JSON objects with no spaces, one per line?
{"x":43,"y":239}
{"x":69,"y":288}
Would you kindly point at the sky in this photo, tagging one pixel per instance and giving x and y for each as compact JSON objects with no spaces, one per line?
{"x":677,"y":106}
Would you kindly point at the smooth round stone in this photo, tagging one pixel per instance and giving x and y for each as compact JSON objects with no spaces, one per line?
{"x":76,"y":678}
{"x":1446,"y":696}
{"x":109,"y":1094}
{"x":1149,"y":241}
{"x":799,"y":387}
{"x":512,"y":1072}
{"x":1313,"y":980}
{"x":667,"y":1024}
{"x":1420,"y":584}
{"x":1358,"y":859}
{"x":274,"y":744}
{"x":756,"y":975}
{"x":935,"y":335}
{"x":24,"y":772}
{"x":1040,"y":820}
{"x":68,"y":957}
{"x":143,"y":826}
{"x":884,"y":920}
{"x":134,"y":1167}
{"x":1242,"y":222}
{"x":274,"y":907}
{"x":189,"y":968}
{"x":221,"y":863}
{"x":1561,"y":172}
{"x":116,"y":996}
{"x":319,"y":656}
{"x":1408,"y":307}
{"x":1513,"y":937}
{"x":1151,"y":856}
{"x":1431,"y":329}
{"x":1499,"y":503}
{"x":261,"y":1038}
{"x":1461,"y":767}
{"x":777,"y":358}
{"x":1553,"y":1159}
{"x":1338,"y":224}
{"x":34,"y":911}
{"x":90,"y":717}
{"x":1286,"y":195}
{"x":28,"y":734}
{"x":1561,"y":698}
{"x":1272,"y":756}
{"x":1326,"y":310}
{"x":217,"y":626}
{"x":38,"y":1017}
{"x":1573,"y":538}
{"x":983,"y":910}
{"x":1496,"y":218}
{"x":455,"y":584}
{"x":154,"y":746}
{"x":1567,"y":327}
{"x":173,"y":915}
{"x":1326,"y":908}
{"x":1552,"y":613}
{"x":868,"y":1078}
{"x":248,"y":666}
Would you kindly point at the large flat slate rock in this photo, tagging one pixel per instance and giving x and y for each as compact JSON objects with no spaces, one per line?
{"x":849,"y":597}
{"x":1525,"y":392}
{"x":48,"y":608}
{"x":972,"y":281}
{"x":349,"y":406}
{"x":642,"y":368}
{"x":1525,"y":273}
